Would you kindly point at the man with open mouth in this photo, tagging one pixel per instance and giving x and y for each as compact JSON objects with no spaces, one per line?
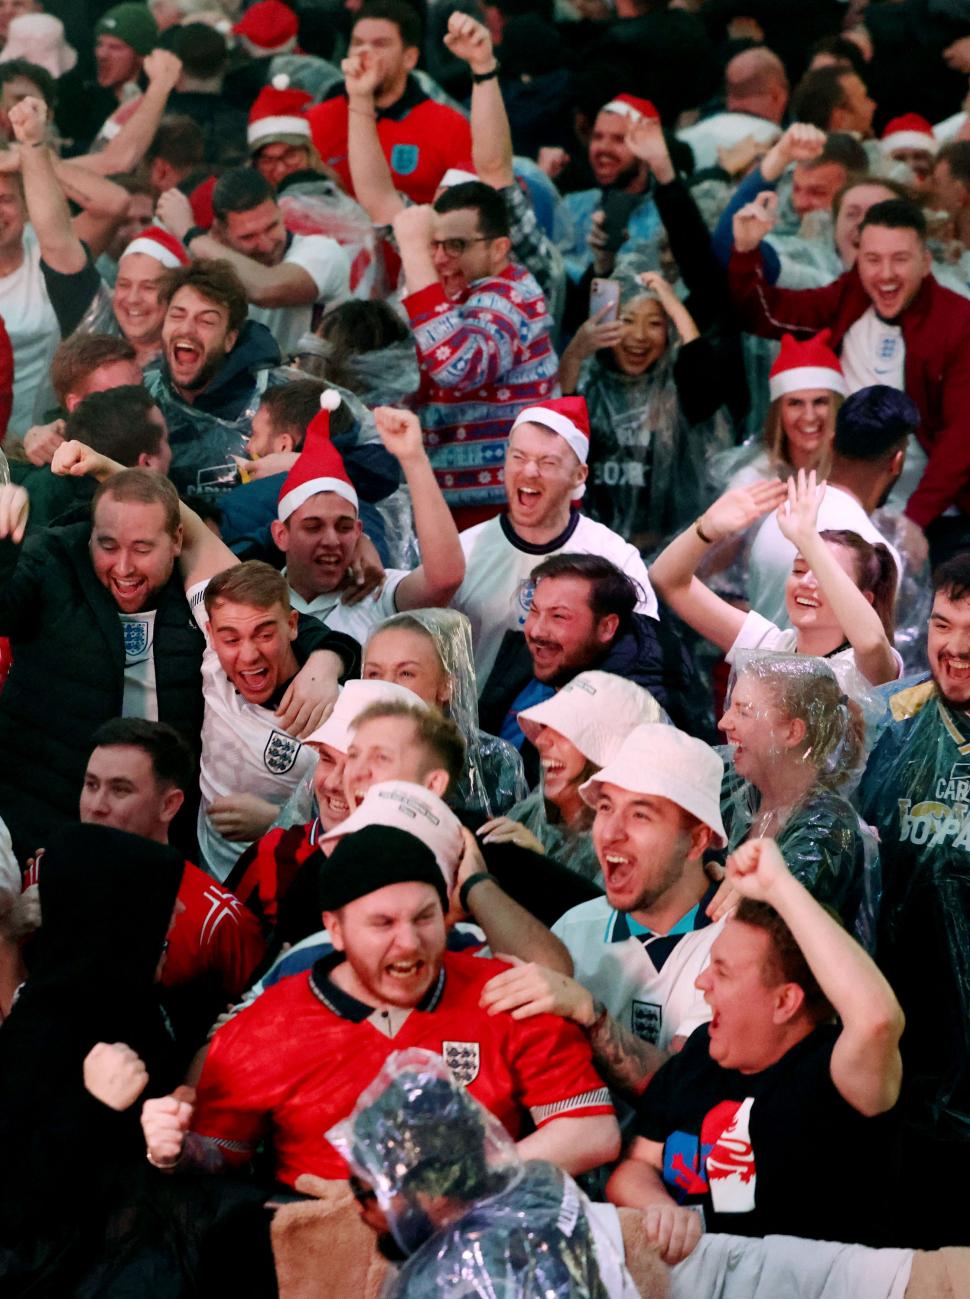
{"x":322,"y":1035}
{"x":637,"y":951}
{"x":891,"y":323}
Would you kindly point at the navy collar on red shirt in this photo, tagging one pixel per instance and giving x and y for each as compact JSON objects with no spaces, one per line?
{"x":348,"y":1007}
{"x":398,"y":111}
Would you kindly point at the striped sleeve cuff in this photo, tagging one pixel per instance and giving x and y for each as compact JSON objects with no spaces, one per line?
{"x":598,"y":1100}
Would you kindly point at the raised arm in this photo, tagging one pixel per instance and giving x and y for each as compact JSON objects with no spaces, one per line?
{"x":47,"y":207}
{"x":861,"y":625}
{"x":866,"y":1067}
{"x":203,"y":553}
{"x":469,"y":40}
{"x":672,"y":572}
{"x":508,"y":927}
{"x":369,"y":172}
{"x":103,"y":204}
{"x":442,"y":566}
{"x":125,"y":151}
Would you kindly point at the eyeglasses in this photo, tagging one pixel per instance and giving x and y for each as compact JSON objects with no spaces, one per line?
{"x":455,"y":247}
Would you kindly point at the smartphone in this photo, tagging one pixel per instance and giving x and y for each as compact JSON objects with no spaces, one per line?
{"x":617,"y":209}
{"x":605,"y":293}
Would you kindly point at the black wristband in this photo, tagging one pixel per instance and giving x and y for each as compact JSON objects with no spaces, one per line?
{"x":467,"y":887}
{"x":193,"y":232}
{"x":479,"y":77}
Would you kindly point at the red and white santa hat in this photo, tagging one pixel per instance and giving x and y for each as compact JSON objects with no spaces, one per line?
{"x":567,"y":416}
{"x":320,"y":467}
{"x":632,"y":107}
{"x":269,"y":27}
{"x":808,"y":364}
{"x":155,"y":241}
{"x":909,"y":132}
{"x":277,"y":114}
{"x":458,"y":176}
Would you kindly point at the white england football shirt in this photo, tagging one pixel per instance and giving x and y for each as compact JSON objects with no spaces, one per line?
{"x":357,"y":620}
{"x":140,"y":697}
{"x":645,"y":981}
{"x":328,"y":266}
{"x":496,"y":594}
{"x":244,"y":751}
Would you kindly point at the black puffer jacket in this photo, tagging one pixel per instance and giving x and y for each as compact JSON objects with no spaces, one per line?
{"x":68,"y":676}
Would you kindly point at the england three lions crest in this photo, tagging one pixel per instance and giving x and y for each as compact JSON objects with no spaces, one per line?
{"x":464,"y":1059}
{"x":280,"y":753}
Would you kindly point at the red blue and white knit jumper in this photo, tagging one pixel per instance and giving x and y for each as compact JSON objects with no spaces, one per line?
{"x":482,"y":359}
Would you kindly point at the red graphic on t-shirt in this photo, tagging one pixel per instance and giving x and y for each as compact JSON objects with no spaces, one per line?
{"x":685,"y":1177}
{"x":730,"y":1159}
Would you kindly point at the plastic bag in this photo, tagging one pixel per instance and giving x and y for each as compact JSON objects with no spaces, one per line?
{"x":474,"y":1219}
{"x":318,"y":207}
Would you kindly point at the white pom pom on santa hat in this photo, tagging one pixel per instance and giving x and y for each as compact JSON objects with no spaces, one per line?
{"x":281,"y":81}
{"x":330,"y":399}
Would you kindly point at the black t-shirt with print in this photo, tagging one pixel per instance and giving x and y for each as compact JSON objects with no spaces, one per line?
{"x":776,"y":1152}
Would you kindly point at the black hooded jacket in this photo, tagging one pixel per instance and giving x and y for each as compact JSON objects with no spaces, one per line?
{"x":106,"y":901}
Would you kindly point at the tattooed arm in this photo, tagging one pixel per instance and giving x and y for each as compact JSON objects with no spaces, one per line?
{"x":626,"y":1061}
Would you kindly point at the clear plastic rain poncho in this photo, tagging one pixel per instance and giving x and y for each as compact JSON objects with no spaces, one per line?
{"x":387,"y":376}
{"x":916,"y":792}
{"x":646,"y":464}
{"x":473,"y":1219}
{"x":825,"y":842}
{"x":317,"y":206}
{"x":494,"y":779}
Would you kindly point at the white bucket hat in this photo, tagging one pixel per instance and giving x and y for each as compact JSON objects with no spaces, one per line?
{"x":39,"y":38}
{"x":402,"y":805}
{"x":351,"y":702}
{"x":667,"y":763}
{"x":595,"y":711}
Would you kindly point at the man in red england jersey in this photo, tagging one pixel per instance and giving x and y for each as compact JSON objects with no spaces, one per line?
{"x":295,"y":1061}
{"x":421,"y":138}
{"x":137,"y":779}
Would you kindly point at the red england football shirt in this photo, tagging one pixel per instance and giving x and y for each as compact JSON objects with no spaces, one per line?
{"x":421,"y":139}
{"x":294,"y":1063}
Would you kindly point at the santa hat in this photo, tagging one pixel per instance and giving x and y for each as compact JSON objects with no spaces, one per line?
{"x":457,"y":176}
{"x":320,"y":467}
{"x":155,"y":241}
{"x":909,"y":132}
{"x":567,"y":416}
{"x":277,"y":115}
{"x":632,"y":107}
{"x":809,"y":364}
{"x":269,"y":27}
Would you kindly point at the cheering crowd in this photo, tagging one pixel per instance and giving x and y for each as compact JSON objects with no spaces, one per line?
{"x":484,"y":648}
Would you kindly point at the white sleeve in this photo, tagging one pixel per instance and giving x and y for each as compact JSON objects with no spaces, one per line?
{"x":387,"y":600}
{"x":634,"y":567}
{"x":9,"y":870}
{"x":326,"y":263}
{"x":196,"y":598}
{"x":758,"y":633}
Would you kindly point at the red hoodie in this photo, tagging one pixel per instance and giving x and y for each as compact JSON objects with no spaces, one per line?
{"x":936,"y":333}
